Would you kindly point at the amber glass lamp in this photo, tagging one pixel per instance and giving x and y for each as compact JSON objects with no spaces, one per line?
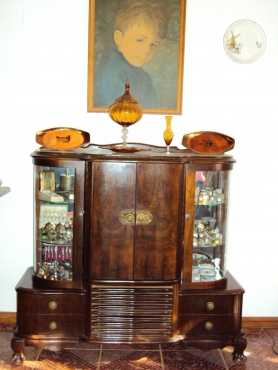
{"x":126,"y":112}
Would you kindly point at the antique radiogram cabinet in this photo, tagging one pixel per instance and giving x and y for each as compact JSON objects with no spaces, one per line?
{"x":129,"y":248}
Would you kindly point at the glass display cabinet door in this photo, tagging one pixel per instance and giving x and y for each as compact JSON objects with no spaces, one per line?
{"x":55,"y":219}
{"x":208,"y":243}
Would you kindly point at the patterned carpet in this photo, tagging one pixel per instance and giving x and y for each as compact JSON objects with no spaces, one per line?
{"x":144,"y":357}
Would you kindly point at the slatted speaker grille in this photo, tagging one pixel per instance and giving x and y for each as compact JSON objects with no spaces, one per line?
{"x":131,"y":314}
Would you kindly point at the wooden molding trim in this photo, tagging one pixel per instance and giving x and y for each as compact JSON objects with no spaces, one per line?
{"x":259,"y":322}
{"x":7,"y":318}
{"x":252,"y":322}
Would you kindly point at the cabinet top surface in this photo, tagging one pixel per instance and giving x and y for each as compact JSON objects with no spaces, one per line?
{"x":143,"y":152}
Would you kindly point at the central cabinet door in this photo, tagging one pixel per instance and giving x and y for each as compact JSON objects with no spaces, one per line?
{"x":156,"y":242}
{"x":135,"y":217}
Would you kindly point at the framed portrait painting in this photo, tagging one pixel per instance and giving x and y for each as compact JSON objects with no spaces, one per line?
{"x":141,"y":41}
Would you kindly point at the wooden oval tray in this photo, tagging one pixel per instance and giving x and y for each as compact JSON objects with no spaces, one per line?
{"x":62,"y":138}
{"x":208,"y":142}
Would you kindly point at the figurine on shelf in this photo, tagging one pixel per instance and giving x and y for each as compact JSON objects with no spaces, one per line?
{"x":61,"y":232}
{"x":51,"y":235}
{"x":54,"y":270}
{"x":208,"y":196}
{"x":206,"y":234}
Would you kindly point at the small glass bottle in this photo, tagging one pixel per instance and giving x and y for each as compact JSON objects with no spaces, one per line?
{"x":168,"y":133}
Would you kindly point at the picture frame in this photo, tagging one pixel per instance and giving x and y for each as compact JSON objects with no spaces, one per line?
{"x":141,"y":41}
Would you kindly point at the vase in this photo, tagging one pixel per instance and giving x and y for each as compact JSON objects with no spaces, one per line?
{"x":168,"y":133}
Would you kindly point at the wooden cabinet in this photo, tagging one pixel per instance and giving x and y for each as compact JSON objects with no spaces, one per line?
{"x":130,"y":247}
{"x":135,"y":220}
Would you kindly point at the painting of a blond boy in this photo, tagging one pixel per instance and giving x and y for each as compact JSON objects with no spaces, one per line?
{"x":139,"y":41}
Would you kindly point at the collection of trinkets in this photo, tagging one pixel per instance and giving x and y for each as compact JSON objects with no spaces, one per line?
{"x":207,"y":196}
{"x":60,"y":233}
{"x":205,"y":272}
{"x":55,"y":214}
{"x":50,"y":182}
{"x":55,"y":270}
{"x":52,"y":197}
{"x":204,"y":268}
{"x":60,"y":253}
{"x":206,"y":234}
{"x":56,"y":223}
{"x":56,"y":229}
{"x":56,"y":187}
{"x":56,"y":243}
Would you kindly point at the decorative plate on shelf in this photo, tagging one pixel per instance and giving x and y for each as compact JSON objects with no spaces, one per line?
{"x":244,"y":41}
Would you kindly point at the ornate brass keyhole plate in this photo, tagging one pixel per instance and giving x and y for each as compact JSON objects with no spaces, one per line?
{"x":130,"y":217}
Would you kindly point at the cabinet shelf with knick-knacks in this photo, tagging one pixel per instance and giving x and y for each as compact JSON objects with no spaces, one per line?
{"x":58,"y":206}
{"x":209,"y":211}
{"x":129,"y":248}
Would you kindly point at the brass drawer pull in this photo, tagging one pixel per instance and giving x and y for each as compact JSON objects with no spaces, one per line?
{"x":208,"y":325}
{"x":53,"y":325}
{"x":210,"y":306}
{"x":52,"y":305}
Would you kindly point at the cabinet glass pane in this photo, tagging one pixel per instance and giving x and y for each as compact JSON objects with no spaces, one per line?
{"x":54,"y":200}
{"x":209,"y":225}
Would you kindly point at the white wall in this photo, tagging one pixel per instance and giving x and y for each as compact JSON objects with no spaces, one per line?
{"x":43,"y":60}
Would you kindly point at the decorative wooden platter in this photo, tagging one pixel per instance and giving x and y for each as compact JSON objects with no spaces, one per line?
{"x":62,"y":138}
{"x":208,"y":142}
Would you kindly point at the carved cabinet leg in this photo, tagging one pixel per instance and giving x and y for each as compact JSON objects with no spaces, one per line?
{"x":240,"y":344}
{"x":17,"y":345}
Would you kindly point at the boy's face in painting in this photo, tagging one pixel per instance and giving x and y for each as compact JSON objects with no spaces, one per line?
{"x":138,"y":42}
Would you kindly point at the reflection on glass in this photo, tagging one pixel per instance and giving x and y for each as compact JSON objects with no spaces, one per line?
{"x":54,"y":222}
{"x":209,"y":225}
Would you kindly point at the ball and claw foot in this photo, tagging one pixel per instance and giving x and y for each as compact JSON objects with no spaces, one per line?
{"x":240,"y":344}
{"x":17,"y":345}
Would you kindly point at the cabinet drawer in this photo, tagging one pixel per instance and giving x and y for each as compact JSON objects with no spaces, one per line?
{"x":51,"y":303}
{"x":206,"y":304}
{"x":52,"y":325}
{"x":208,"y":325}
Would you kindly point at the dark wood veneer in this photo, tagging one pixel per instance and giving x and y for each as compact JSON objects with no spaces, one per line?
{"x":111,"y":241}
{"x":134,"y":220}
{"x":199,"y":304}
{"x":156,"y":244}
